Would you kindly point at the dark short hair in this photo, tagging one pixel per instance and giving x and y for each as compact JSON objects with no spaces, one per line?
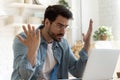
{"x":53,"y":11}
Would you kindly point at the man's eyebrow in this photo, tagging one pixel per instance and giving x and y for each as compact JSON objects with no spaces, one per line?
{"x":62,"y":24}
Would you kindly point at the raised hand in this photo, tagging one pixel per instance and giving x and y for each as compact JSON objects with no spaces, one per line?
{"x":32,"y":42}
{"x":87,"y":37}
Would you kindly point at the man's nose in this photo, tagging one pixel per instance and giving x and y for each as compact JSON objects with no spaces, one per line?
{"x":62,"y":30}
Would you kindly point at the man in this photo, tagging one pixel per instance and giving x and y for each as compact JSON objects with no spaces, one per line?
{"x":44,"y":54}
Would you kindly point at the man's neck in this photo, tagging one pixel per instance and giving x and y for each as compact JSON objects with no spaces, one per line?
{"x":45,"y":35}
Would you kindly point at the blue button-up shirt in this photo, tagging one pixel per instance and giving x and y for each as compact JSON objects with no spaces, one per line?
{"x":66,"y":62}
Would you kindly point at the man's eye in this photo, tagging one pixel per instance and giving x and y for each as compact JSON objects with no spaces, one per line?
{"x":66,"y":27}
{"x":60,"y":26}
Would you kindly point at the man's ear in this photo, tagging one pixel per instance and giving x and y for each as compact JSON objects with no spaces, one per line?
{"x":47,"y":22}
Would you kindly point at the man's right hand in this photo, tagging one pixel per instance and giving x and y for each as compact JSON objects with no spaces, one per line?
{"x":32,"y":42}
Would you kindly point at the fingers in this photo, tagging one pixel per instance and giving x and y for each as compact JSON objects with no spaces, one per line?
{"x":25,"y":30}
{"x":38,"y":34}
{"x":30,"y":30}
{"x":33,"y":28}
{"x":83,"y":35}
{"x":20,"y":38}
{"x":90,"y":25}
{"x":90,"y":28}
{"x":89,"y":32}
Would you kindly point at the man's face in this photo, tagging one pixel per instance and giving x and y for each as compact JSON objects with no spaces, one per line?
{"x":56,"y":30}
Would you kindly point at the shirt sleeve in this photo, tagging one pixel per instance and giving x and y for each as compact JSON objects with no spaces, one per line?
{"x":22,"y":67}
{"x":83,"y":55}
{"x":77,"y":67}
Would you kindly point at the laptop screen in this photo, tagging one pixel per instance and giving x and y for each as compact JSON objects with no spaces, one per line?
{"x":101,"y":64}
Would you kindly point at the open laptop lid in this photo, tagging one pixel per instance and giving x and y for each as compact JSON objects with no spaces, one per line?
{"x":101,"y":64}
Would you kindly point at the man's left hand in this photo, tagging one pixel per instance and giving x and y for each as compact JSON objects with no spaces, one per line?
{"x":87,"y":37}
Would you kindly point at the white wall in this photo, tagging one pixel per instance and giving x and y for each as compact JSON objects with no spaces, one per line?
{"x":76,"y":22}
{"x":90,"y":9}
{"x":6,"y":53}
{"x":110,"y":15}
{"x":103,"y":12}
{"x":6,"y":39}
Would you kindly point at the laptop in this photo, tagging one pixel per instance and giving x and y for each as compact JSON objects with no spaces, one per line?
{"x":101,"y":64}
